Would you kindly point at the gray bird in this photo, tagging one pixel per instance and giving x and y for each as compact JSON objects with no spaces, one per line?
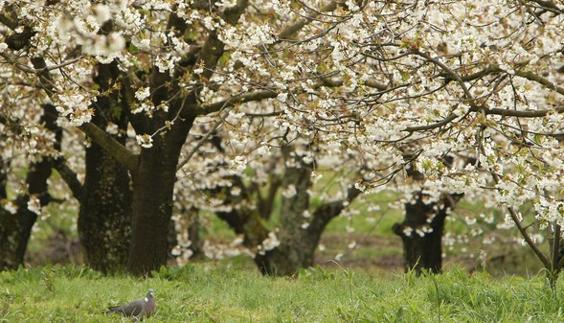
{"x":139,"y":309}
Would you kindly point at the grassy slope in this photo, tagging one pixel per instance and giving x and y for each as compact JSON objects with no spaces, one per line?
{"x":221,"y":292}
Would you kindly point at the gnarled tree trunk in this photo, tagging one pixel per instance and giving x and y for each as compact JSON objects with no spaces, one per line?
{"x":297,"y":244}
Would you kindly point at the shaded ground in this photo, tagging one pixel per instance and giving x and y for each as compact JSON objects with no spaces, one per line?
{"x":363,"y":242}
{"x":370,"y":251}
{"x":59,"y":248}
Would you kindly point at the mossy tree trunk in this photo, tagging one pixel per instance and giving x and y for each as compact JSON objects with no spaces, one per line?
{"x":193,"y":231}
{"x":297,"y":244}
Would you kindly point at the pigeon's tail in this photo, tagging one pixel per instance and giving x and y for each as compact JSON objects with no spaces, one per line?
{"x":114,"y":309}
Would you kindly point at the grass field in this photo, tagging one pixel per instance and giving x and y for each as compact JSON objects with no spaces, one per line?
{"x":225,"y":292}
{"x":366,"y":285}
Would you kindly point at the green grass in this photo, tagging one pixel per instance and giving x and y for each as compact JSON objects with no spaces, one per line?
{"x":224,"y":292}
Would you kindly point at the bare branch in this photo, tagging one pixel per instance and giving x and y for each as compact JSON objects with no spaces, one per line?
{"x":441,"y":123}
{"x":521,"y":113}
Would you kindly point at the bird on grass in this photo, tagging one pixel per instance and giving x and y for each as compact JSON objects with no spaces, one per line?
{"x":138,"y":309}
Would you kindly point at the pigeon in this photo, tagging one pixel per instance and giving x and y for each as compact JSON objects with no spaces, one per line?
{"x":139,"y":309}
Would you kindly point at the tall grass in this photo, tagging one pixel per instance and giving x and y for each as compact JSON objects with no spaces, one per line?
{"x":224,"y":292}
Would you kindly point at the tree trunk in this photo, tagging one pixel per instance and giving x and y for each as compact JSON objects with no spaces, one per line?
{"x":196,"y":242}
{"x":153,"y":187}
{"x":15,"y":229}
{"x":422,"y":253}
{"x":297,"y":244}
{"x":298,"y":236}
{"x":290,"y":256}
{"x":9,"y":235}
{"x":104,"y":222}
{"x":8,"y":228}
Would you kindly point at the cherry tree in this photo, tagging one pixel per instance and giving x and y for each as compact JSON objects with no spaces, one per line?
{"x":239,"y":175}
{"x":161,"y":58}
{"x":425,"y":80}
{"x":400,"y":83}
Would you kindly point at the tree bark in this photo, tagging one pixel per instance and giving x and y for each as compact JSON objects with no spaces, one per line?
{"x":152,"y":207}
{"x":196,"y":242}
{"x":104,"y":221}
{"x":298,"y":245}
{"x":8,"y":240}
{"x":422,"y":253}
{"x":298,"y":242}
{"x":153,"y":187}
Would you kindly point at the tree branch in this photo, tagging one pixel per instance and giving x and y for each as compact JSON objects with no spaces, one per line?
{"x":495,"y":111}
{"x":541,"y":80}
{"x":290,"y":30}
{"x":111,"y":146}
{"x":521,"y":113}
{"x":438,"y":124}
{"x":8,"y":22}
{"x":326,"y":212}
{"x":524,"y":233}
{"x":243,"y":98}
{"x":548,"y":5}
{"x":69,"y":176}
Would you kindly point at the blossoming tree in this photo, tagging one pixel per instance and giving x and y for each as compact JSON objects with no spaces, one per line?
{"x":239,"y":176}
{"x":400,"y":82}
